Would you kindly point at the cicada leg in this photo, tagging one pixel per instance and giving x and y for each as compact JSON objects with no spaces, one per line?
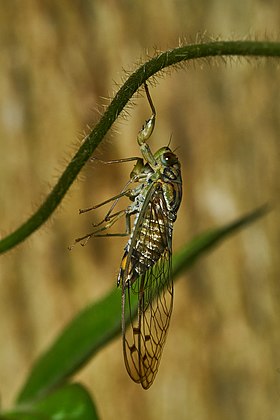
{"x":125,"y":192}
{"x":146,"y":132}
{"x":135,"y":175}
{"x":109,"y":162}
{"x":112,"y":219}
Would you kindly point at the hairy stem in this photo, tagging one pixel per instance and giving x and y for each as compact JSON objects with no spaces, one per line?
{"x":136,"y":79}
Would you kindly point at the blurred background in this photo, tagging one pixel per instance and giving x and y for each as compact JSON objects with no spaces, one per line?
{"x":58,"y":62}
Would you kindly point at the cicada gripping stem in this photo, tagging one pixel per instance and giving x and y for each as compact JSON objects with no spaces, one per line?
{"x":145,"y":270}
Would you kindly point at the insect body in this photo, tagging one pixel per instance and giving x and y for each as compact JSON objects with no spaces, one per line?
{"x":145,"y":271}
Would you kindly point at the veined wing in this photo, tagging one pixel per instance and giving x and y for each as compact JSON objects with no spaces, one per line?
{"x":147,"y":289}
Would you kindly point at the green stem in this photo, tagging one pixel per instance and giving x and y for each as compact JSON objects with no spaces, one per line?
{"x":148,"y":69}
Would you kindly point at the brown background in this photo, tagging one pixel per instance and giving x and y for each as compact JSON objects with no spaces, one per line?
{"x":58,"y":61}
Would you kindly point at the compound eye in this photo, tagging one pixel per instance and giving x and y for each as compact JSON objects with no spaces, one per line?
{"x":168,"y":158}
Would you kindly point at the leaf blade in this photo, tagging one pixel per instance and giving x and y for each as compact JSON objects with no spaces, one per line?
{"x":68,"y":402}
{"x":99,"y":323}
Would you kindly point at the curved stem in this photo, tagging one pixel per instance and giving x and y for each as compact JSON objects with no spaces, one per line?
{"x":136,"y":79}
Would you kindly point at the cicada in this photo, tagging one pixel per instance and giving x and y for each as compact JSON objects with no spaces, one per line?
{"x":145,"y":277}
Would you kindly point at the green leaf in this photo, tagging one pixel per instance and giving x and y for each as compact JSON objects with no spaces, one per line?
{"x":99,"y":323}
{"x":89,"y":331}
{"x":207,"y":240}
{"x":72,"y":402}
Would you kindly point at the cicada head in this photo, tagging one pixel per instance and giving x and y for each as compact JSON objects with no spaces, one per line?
{"x":168,"y":163}
{"x":165,"y":157}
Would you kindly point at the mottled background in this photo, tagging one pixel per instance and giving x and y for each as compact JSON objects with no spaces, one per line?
{"x":58,"y":61}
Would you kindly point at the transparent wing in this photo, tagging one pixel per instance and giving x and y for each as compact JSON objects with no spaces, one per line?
{"x":149,"y":296}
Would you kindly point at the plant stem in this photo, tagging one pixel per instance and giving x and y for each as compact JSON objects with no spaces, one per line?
{"x":134,"y":81}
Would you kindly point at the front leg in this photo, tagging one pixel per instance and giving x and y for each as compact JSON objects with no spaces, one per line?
{"x":146,"y":132}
